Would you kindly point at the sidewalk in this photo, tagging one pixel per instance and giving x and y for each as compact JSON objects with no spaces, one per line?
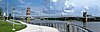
{"x":36,"y":28}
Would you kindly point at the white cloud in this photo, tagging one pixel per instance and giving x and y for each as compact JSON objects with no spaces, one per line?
{"x":16,"y":11}
{"x":21,"y":1}
{"x":68,"y":10}
{"x":69,"y":5}
{"x":28,"y":3}
{"x":22,"y":6}
{"x":83,"y":10}
{"x":54,"y":0}
{"x":86,"y":7}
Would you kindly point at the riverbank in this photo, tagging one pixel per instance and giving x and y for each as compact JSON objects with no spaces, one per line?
{"x":8,"y":26}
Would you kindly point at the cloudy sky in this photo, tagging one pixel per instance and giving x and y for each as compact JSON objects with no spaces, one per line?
{"x":38,"y":7}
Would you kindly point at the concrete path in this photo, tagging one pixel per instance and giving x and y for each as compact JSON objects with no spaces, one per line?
{"x":36,"y":28}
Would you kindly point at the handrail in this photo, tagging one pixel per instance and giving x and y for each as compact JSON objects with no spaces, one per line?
{"x":62,"y":26}
{"x":77,"y":28}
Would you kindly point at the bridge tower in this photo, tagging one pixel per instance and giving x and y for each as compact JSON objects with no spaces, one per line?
{"x":85,"y":9}
{"x":85,"y":16}
{"x":85,"y":19}
{"x":28,"y":14}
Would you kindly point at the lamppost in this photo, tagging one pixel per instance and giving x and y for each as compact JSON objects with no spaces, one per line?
{"x":7,"y":11}
{"x":13,"y":18}
{"x":14,"y":11}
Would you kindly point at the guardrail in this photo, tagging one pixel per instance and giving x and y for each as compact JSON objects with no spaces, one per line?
{"x":77,"y":28}
{"x":62,"y":26}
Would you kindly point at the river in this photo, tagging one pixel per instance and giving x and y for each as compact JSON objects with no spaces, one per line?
{"x":94,"y":26}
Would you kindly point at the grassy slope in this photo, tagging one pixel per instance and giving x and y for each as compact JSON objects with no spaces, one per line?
{"x":7,"y":27}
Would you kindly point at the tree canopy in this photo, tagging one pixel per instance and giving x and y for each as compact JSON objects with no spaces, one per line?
{"x":0,"y":11}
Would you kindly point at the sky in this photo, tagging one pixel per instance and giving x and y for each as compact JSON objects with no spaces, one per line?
{"x":40,"y":7}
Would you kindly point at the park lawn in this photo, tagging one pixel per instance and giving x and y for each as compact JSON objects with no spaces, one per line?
{"x":7,"y":27}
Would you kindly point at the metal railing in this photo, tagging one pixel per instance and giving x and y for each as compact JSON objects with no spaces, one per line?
{"x":77,"y":28}
{"x":62,"y":26}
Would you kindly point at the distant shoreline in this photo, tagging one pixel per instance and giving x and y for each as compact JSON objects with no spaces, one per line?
{"x":72,"y":18}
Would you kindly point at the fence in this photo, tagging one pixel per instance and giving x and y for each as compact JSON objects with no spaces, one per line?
{"x":62,"y":26}
{"x":76,"y":28}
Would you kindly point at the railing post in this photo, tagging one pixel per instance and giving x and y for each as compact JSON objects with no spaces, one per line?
{"x":53,"y":25}
{"x":65,"y":27}
{"x":77,"y":29}
{"x":68,"y":28}
{"x":73,"y":28}
{"x":41,"y":23}
{"x":56,"y":26}
{"x":50,"y":24}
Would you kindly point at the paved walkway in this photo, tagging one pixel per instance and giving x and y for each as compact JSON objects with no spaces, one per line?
{"x":36,"y":28}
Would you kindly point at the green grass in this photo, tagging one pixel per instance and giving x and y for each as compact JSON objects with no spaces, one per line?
{"x":15,"y":21}
{"x":7,"y":27}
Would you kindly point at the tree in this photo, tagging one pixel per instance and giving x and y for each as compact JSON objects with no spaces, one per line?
{"x":10,"y":16}
{"x":0,"y":12}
